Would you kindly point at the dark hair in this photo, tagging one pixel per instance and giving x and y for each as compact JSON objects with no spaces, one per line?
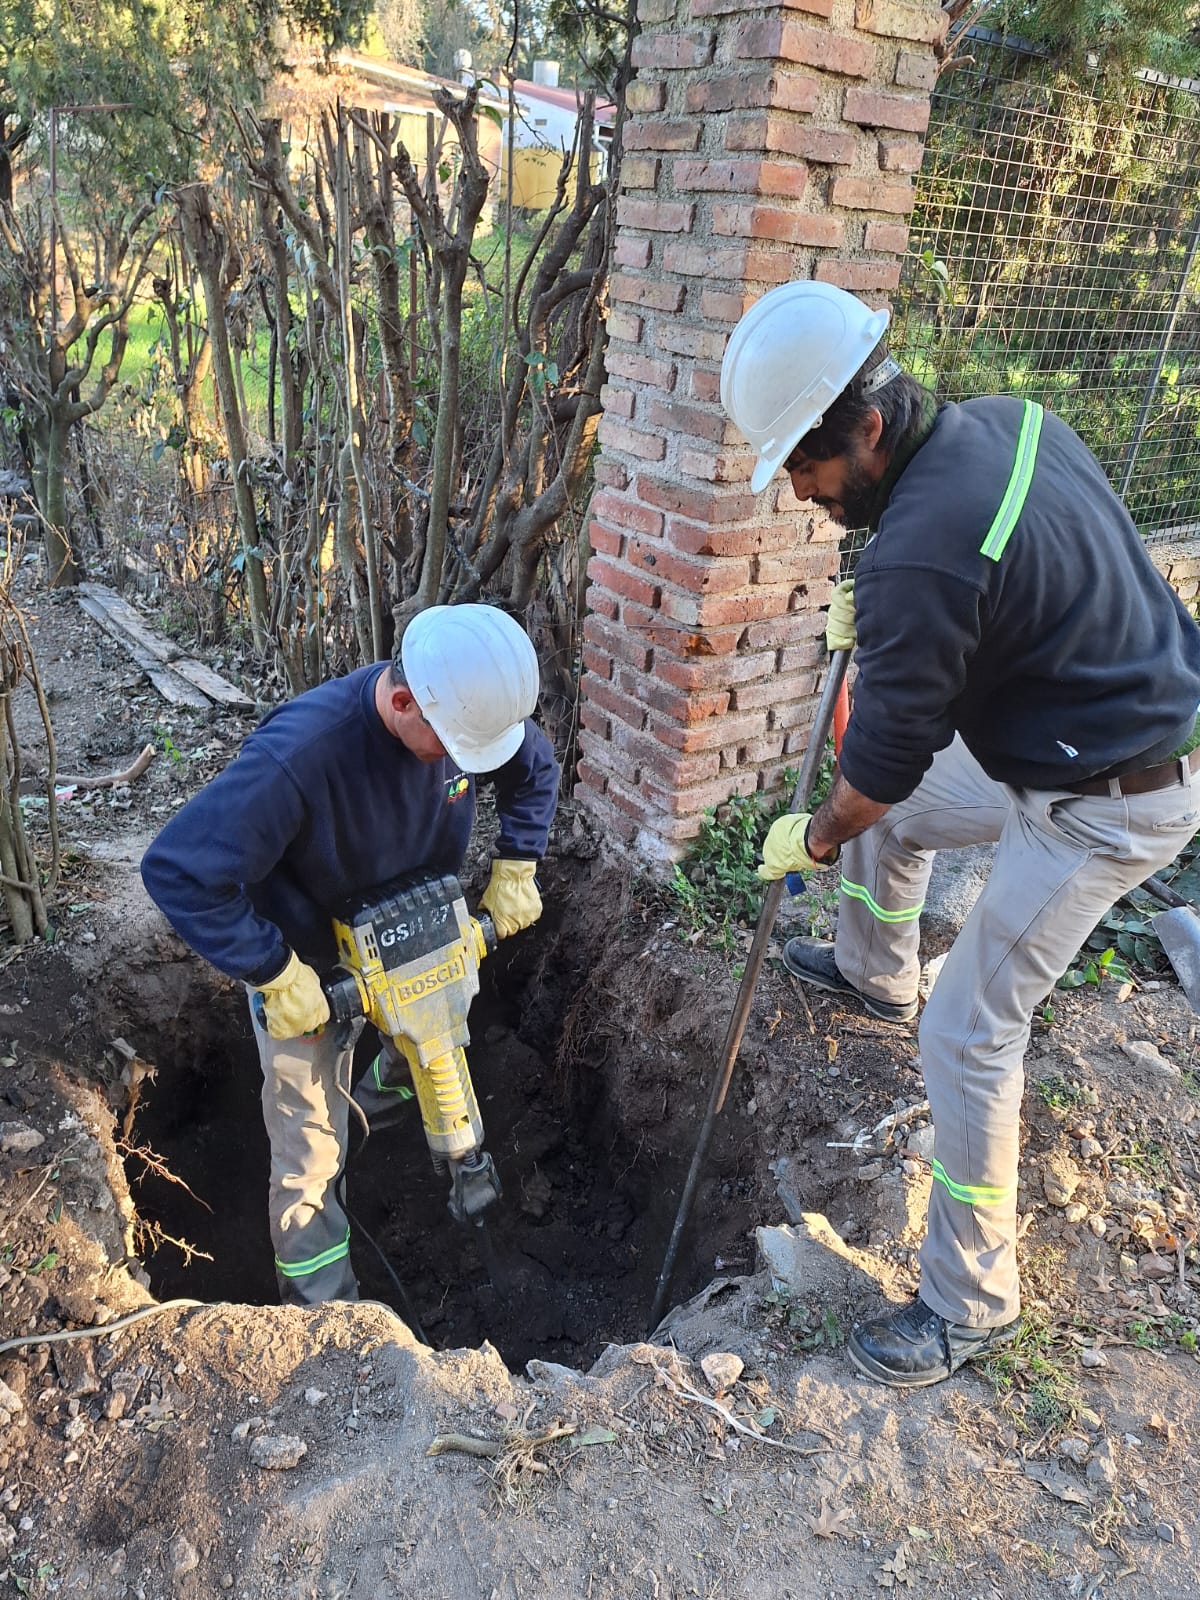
{"x":900,"y":400}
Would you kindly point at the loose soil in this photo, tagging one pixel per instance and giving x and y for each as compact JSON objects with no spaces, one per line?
{"x":240,"y":1447}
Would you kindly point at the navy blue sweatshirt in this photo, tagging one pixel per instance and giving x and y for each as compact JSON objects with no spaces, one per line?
{"x":323,"y":803}
{"x":1068,"y":657}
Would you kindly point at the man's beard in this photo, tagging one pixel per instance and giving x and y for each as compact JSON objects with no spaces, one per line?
{"x":858,"y":496}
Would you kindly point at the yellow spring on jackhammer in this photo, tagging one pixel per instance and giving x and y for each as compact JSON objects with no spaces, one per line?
{"x":448,"y":1076}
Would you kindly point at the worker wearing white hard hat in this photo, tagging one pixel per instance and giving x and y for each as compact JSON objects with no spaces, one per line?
{"x":1025,"y":676}
{"x":351,"y":786}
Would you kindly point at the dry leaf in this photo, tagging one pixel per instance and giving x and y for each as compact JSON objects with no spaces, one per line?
{"x":1057,"y":1482}
{"x":828,"y":1522}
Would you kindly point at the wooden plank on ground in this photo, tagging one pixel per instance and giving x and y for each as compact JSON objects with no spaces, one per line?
{"x":212,"y":684}
{"x":165,"y":679}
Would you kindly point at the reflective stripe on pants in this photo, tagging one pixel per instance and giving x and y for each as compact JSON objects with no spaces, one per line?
{"x":1061,"y":861}
{"x":306,"y":1121}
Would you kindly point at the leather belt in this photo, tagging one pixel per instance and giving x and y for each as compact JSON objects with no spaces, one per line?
{"x":1162,"y":776}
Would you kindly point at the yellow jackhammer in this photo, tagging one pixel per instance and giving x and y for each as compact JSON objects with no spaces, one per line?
{"x":409,"y":956}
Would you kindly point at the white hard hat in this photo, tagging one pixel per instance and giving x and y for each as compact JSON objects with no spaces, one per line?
{"x":790,"y":355}
{"x":474,"y":673}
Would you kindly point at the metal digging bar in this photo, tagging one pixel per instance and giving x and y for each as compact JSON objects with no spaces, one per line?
{"x":838,"y":662}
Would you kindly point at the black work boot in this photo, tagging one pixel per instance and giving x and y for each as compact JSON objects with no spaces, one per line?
{"x":916,"y":1346}
{"x":811,"y":960}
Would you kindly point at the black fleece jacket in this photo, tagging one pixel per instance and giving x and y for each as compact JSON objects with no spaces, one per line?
{"x":1067,"y":657}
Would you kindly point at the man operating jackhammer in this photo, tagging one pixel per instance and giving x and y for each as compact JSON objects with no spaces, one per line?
{"x":357,"y":782}
{"x":1025,"y":676}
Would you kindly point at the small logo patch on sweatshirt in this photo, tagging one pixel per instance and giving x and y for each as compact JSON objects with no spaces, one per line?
{"x":1067,"y":749}
{"x":456,"y":788}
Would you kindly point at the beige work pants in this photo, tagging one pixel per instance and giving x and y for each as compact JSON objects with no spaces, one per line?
{"x":1062,"y":860}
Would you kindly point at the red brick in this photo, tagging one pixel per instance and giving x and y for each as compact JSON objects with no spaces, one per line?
{"x":675,"y":416}
{"x":671,"y":702}
{"x":656,"y":216}
{"x":782,"y":631}
{"x":678,"y":772}
{"x":705,"y":385}
{"x":894,"y":20}
{"x":784,"y":40}
{"x":900,"y":155}
{"x":889,"y":236}
{"x":641,"y":369}
{"x":786,"y":136}
{"x":860,"y":277}
{"x":702,"y":796}
{"x":809,"y":653}
{"x":749,"y":264}
{"x":625,"y":513}
{"x":645,"y":95}
{"x":716,"y":467}
{"x":618,"y":643}
{"x":807,"y":573}
{"x":662,"y":136}
{"x":666,"y":633}
{"x":700,"y":505}
{"x":596,"y":662}
{"x":740,"y":91}
{"x":916,"y":69}
{"x":593,"y":719}
{"x":604,"y":541}
{"x":794,"y":713}
{"x":877,"y":108}
{"x":620,"y":581}
{"x":632,"y":252}
{"x":653,"y":11}
{"x":697,"y":577}
{"x":615,"y":702}
{"x":654,"y":293}
{"x":711,"y":736}
{"x":607,"y":472}
{"x":685,"y":339}
{"x":615,"y":435}
{"x":673,"y":51}
{"x":760,"y":752}
{"x":866,"y":194}
{"x":731,"y":176}
{"x":694,"y":538}
{"x":717,"y":610}
{"x":590,"y":777}
{"x":710,"y":672}
{"x":774,"y":692}
{"x":604,"y":605}
{"x":639,"y":172}
{"x":723,"y":305}
{"x":617,"y":402}
{"x":770,"y":222}
{"x":721,"y":8}
{"x":625,"y":325}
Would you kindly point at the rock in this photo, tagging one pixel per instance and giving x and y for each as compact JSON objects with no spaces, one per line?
{"x":18,"y":1138}
{"x":184,"y":1557}
{"x":10,"y":1403}
{"x":1098,"y":1225}
{"x":1076,"y":1450}
{"x":1092,"y":1358}
{"x":920,"y":1142}
{"x":1149,"y":1055}
{"x":1060,"y":1178}
{"x":1165,"y":1532}
{"x":227,"y":1580}
{"x":314,"y":1397}
{"x":1090,"y":1148}
{"x":1075,"y":1212}
{"x":1156,"y":1267}
{"x":871,"y":1171}
{"x":1102,"y":1468}
{"x":277,"y":1452}
{"x":788,"y":1188}
{"x":243,"y":1430}
{"x":722,"y":1369}
{"x":1128,"y":1266}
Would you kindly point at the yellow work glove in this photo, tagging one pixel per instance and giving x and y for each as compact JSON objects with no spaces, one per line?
{"x":294,"y":1001}
{"x":785,"y":850}
{"x":511,"y":898}
{"x":839,"y":624}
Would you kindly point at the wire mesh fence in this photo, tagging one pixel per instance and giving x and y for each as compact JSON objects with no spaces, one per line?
{"x":1056,"y":255}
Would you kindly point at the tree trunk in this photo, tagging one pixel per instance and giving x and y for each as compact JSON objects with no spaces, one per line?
{"x":62,"y":566}
{"x":207,"y":244}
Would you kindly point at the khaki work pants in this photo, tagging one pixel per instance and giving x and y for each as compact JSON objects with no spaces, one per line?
{"x":1062,"y":860}
{"x":307,"y":1119}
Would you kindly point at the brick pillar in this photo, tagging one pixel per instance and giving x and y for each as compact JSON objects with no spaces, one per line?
{"x":764,"y":143}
